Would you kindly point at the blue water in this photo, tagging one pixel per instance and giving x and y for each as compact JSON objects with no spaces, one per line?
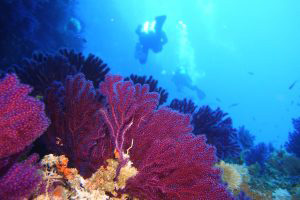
{"x":243,"y":54}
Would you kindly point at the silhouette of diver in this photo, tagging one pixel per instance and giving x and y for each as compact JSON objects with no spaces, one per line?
{"x":182,"y":81}
{"x":151,"y":36}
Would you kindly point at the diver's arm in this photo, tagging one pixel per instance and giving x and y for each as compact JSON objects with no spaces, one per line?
{"x":160,"y":20}
{"x":164,"y":38}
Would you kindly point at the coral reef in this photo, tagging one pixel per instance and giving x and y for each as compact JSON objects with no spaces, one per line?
{"x":281,"y":170}
{"x":114,"y":142}
{"x":162,"y":175}
{"x":260,"y":153}
{"x":76,"y":129}
{"x":22,"y":120}
{"x":109,"y":137}
{"x":183,"y":106}
{"x":22,"y":180}
{"x":246,"y":138}
{"x":289,"y":164}
{"x":217,"y":127}
{"x":242,"y":196}
{"x":70,"y":185}
{"x":27,"y":24}
{"x":230,"y":175}
{"x":255,"y":194}
{"x":164,"y":171}
{"x":91,"y":66}
{"x":43,"y":69}
{"x":163,"y":94}
{"x":281,"y":194}
{"x":293,"y":143}
{"x":128,"y":125}
{"x":236,"y":176}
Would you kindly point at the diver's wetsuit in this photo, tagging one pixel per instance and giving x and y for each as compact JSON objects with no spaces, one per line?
{"x":153,"y":40}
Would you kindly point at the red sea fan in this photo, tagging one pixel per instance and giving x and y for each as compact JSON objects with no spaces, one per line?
{"x":22,"y":120}
{"x":178,"y":169}
{"x":171,"y":163}
{"x":152,"y":83}
{"x":128,"y":106}
{"x":21,"y":181}
{"x":76,"y":129}
{"x":22,"y":117}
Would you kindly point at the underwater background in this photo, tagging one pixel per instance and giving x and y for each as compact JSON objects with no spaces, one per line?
{"x":243,"y":53}
{"x":228,"y":73}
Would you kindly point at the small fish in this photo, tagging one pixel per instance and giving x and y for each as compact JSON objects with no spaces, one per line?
{"x":84,"y":40}
{"x":251,"y":73}
{"x":233,"y":105}
{"x":293,"y":84}
{"x":39,"y":97}
{"x":218,"y":100}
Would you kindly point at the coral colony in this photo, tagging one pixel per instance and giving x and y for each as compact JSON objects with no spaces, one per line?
{"x":70,"y":130}
{"x":30,"y":25}
{"x":22,"y":120}
{"x":139,"y":150}
{"x":71,"y":133}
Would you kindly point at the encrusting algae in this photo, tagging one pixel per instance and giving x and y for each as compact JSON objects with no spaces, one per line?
{"x":66,"y":183}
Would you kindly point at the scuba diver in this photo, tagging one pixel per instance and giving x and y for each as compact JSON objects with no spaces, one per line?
{"x":182,"y":80}
{"x":151,"y":36}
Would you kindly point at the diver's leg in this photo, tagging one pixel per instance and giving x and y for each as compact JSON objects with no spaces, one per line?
{"x":200,"y":94}
{"x":141,"y":53}
{"x":144,"y":55}
{"x":138,"y":49}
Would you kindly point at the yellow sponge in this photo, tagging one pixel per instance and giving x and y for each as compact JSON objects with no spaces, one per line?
{"x":230,"y":175}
